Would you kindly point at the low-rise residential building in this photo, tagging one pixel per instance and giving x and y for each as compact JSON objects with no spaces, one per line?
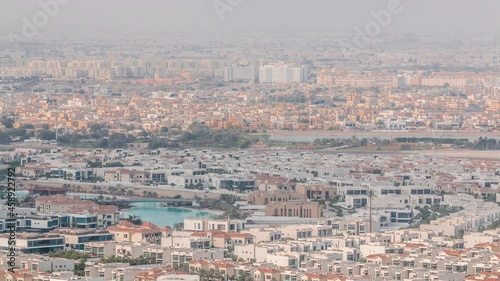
{"x":294,"y":209}
{"x":147,"y":232}
{"x":34,"y":243}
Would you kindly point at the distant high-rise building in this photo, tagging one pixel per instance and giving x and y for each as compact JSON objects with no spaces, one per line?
{"x":123,"y":71}
{"x":156,"y":73}
{"x":240,"y":73}
{"x":399,"y":81}
{"x":282,"y":73}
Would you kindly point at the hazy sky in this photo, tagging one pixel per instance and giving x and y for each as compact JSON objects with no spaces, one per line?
{"x":104,"y":17}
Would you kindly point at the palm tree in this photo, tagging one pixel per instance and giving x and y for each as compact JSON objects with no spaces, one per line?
{"x":178,"y":226}
{"x":219,"y":276}
{"x":371,"y":194}
{"x":244,"y":276}
{"x":203,"y":274}
{"x":184,"y":267}
{"x":211,"y":274}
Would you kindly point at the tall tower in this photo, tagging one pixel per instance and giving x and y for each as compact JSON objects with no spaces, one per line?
{"x":309,"y":114}
{"x":156,"y":73}
{"x":109,"y":71}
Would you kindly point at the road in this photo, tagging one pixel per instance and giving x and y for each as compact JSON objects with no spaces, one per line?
{"x":167,"y":191}
{"x":309,"y":136}
{"x":466,"y":154}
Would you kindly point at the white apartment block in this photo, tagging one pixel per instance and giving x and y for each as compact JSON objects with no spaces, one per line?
{"x":240,"y":73}
{"x":282,"y":74}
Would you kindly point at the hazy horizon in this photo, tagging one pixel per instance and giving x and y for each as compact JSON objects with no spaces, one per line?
{"x":105,"y":18}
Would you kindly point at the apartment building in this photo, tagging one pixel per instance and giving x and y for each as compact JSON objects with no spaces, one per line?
{"x":240,"y":73}
{"x":294,"y":209}
{"x":281,"y":73}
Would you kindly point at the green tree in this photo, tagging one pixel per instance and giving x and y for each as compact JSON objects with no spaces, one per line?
{"x":178,"y":226}
{"x":7,"y":122}
{"x":134,"y":219}
{"x":4,"y":138}
{"x":47,"y":135}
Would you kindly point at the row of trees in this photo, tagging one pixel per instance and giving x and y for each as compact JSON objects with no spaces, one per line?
{"x":353,"y":141}
{"x":201,"y":135}
{"x":433,"y":213}
{"x":148,"y":194}
{"x":106,"y":141}
{"x":156,"y":143}
{"x":23,"y":132}
{"x":98,"y":136}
